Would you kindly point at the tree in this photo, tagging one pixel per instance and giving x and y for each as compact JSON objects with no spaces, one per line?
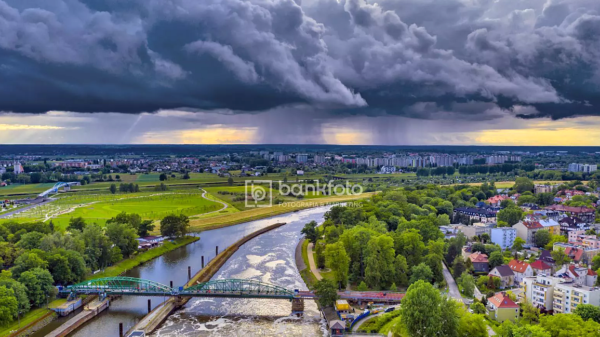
{"x":467,"y":283}
{"x":393,"y":287}
{"x":458,"y":266}
{"x":478,"y":308}
{"x":531,"y":314}
{"x":122,"y":236}
{"x":410,"y":245}
{"x":478,"y":247}
{"x":511,"y":215}
{"x":60,"y":269}
{"x":38,"y":282}
{"x":596,"y":262}
{"x":320,"y":254}
{"x":230,"y":181}
{"x":523,"y":184}
{"x":338,"y":261}
{"x":434,"y":262}
{"x":8,"y":305}
{"x":401,"y":269}
{"x":568,"y":325}
{"x":174,"y":225}
{"x":561,"y":258}
{"x":27,"y":261}
{"x":518,"y":244}
{"x":542,"y":238}
{"x":496,"y":259}
{"x":421,"y":272}
{"x":310,"y":231}
{"x":19,"y":290}
{"x":163,"y":177}
{"x":420,"y":311}
{"x":362,"y":286}
{"x":327,"y":292}
{"x":587,"y":312}
{"x":485,"y":238}
{"x":470,"y":325}
{"x":30,"y":240}
{"x":113,"y":188}
{"x":379,"y":262}
{"x":97,"y":247}
{"x":145,"y":228}
{"x":76,"y":224}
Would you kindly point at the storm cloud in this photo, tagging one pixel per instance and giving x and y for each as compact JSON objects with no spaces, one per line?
{"x":427,"y":59}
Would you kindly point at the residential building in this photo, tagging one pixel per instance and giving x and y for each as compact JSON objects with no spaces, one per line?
{"x":586,"y":214}
{"x":387,"y":169}
{"x":526,"y":230}
{"x":521,"y":269}
{"x":568,"y":295}
{"x":504,"y":236}
{"x":585,"y":168}
{"x":539,"y":267}
{"x":477,"y":214}
{"x":579,"y":237}
{"x":2,"y":170}
{"x":302,"y":158}
{"x":497,"y":199}
{"x":18,"y":168}
{"x":319,"y":159}
{"x":579,"y":274}
{"x":501,"y":308}
{"x":480,"y":262}
{"x":539,"y":290}
{"x":543,"y":189}
{"x":551,"y":226}
{"x":578,"y":253}
{"x":547,"y":258}
{"x":476,"y":230}
{"x":573,"y":223}
{"x":505,"y":274}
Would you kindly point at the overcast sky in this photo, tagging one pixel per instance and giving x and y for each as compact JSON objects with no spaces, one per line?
{"x":501,"y":72}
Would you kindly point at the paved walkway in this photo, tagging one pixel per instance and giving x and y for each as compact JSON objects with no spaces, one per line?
{"x":220,"y":202}
{"x":311,"y":262}
{"x":452,"y":287}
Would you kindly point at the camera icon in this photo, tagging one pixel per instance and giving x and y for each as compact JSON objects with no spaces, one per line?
{"x":258,"y":193}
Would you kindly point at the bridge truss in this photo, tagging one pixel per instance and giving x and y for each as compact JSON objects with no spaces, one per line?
{"x":237,"y":288}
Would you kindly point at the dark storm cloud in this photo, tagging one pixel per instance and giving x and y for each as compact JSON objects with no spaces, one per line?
{"x":413,"y":58}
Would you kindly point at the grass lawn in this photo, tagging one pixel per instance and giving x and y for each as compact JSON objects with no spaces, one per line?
{"x":264,"y":212}
{"x":25,"y":319}
{"x":146,"y":256}
{"x":309,"y":278}
{"x":379,"y":323}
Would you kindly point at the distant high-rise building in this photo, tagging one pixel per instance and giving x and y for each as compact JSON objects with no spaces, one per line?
{"x":319,"y":159}
{"x":18,"y":168}
{"x":302,"y":158}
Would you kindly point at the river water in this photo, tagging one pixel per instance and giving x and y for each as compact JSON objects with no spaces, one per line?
{"x":267,"y":258}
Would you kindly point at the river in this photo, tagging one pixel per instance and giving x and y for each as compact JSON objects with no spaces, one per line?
{"x":267,"y":258}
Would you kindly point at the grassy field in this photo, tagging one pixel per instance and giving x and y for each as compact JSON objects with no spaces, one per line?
{"x":97,"y":208}
{"x":265,"y":212}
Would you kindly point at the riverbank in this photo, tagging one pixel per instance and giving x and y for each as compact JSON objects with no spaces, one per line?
{"x":40,"y":314}
{"x":144,"y":257}
{"x":198,"y":225}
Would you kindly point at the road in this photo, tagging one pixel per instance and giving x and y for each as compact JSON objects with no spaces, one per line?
{"x":455,"y":293}
{"x":311,"y":262}
{"x":7,"y":214}
{"x":452,"y":287}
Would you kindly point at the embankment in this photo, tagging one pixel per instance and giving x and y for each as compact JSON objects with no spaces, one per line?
{"x":157,"y":316}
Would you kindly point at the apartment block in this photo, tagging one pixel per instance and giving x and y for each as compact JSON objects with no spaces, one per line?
{"x":504,"y":236}
{"x":568,"y":295}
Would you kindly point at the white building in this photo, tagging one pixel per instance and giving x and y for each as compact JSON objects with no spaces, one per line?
{"x":504,"y":236}
{"x":18,"y":168}
{"x":568,"y":295}
{"x":387,"y":169}
{"x":539,"y":290}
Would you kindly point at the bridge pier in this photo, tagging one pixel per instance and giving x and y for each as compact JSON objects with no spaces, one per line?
{"x":298,"y":307}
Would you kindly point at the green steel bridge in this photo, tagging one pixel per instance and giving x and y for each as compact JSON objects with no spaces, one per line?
{"x":234,"y":288}
{"x":130,"y":286}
